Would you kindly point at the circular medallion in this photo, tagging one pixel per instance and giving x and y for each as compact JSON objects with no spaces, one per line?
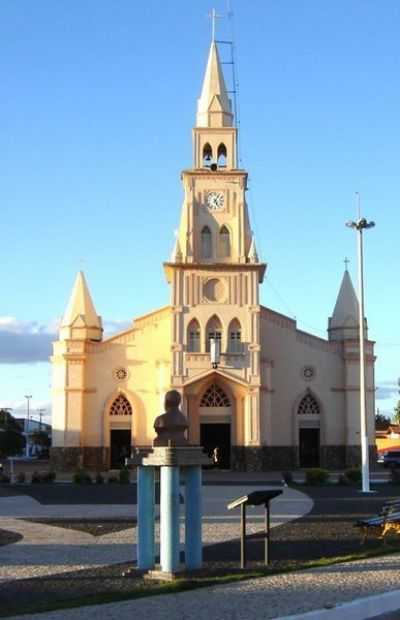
{"x":120,"y":373}
{"x":308,"y":373}
{"x":214,"y":290}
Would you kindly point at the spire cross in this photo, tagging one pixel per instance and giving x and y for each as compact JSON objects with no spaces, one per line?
{"x":214,"y":16}
{"x":346,"y":263}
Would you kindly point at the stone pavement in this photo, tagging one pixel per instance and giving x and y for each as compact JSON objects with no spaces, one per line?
{"x":328,"y":592}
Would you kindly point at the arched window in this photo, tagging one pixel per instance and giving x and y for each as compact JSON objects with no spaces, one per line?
{"x":235,"y":337}
{"x":215,"y":397}
{"x":207,"y":155}
{"x":206,"y":243}
{"x":121,"y":406}
{"x":214,"y":330}
{"x":308,"y":405}
{"x":193,"y":337}
{"x":221,"y":156}
{"x":224,"y":244}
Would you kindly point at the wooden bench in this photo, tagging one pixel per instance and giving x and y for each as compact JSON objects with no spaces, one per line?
{"x":388,"y":520}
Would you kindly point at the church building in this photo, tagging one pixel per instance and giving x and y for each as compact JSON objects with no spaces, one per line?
{"x":272,"y":396}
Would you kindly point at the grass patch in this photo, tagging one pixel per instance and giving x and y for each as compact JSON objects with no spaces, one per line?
{"x":142,"y":588}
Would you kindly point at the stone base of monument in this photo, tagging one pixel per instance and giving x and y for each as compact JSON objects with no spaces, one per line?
{"x":174,"y":463}
{"x":160,"y":575}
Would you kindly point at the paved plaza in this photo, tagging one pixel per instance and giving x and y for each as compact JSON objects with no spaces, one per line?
{"x":46,"y":550}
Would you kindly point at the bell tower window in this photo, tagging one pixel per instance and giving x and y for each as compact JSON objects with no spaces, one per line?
{"x":224,"y":243}
{"x":206,"y":243}
{"x":207,"y":155}
{"x":221,"y":154}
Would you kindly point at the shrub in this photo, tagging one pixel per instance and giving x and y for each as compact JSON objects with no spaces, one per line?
{"x":113,"y":479}
{"x":316,"y":476}
{"x":81,"y":476}
{"x":35,"y":479}
{"x":48,"y":476}
{"x":353,"y":475}
{"x":287,"y":477}
{"x":4,"y":478}
{"x":124,"y":475}
{"x":21,"y":477}
{"x":99,"y":478}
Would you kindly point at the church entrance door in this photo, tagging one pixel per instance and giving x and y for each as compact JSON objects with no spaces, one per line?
{"x":309,"y":447}
{"x":120,"y":442}
{"x":217,"y":436}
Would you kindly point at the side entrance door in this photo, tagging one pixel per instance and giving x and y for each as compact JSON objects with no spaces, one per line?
{"x":309,"y":447}
{"x":120,"y":442}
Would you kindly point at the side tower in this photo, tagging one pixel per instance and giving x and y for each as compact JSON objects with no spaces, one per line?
{"x":79,"y":326}
{"x":343,"y":327}
{"x":215,"y":274}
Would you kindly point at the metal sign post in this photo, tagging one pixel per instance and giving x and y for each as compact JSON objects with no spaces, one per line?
{"x":257,"y":498}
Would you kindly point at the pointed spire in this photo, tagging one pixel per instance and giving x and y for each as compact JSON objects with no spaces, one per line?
{"x":80,"y":319}
{"x":214,"y":106}
{"x":253,"y":256}
{"x":176,"y":255}
{"x":344,"y":321}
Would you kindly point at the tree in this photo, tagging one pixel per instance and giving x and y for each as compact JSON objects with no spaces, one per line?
{"x":396,"y":414}
{"x":381,"y":422}
{"x":8,"y":422}
{"x":11,"y":443}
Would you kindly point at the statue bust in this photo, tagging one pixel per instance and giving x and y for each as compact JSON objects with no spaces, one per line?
{"x":171,"y":425}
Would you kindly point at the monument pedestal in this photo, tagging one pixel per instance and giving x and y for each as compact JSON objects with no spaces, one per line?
{"x":172,"y":461}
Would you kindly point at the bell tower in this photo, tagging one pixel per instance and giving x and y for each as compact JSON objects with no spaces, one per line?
{"x":214,"y":270}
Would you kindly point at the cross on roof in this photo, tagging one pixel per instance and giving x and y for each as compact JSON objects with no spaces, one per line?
{"x":214,"y":16}
{"x":346,"y":263}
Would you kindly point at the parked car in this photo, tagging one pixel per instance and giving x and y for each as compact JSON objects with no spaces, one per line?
{"x":391,"y":459}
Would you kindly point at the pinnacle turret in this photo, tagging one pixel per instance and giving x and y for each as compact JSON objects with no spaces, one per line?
{"x":80,"y":320}
{"x":344,"y":322}
{"x":253,"y":256}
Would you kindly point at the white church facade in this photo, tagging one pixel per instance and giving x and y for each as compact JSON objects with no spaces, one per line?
{"x":278,"y":397}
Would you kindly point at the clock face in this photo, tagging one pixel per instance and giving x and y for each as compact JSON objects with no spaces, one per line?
{"x":215,"y":201}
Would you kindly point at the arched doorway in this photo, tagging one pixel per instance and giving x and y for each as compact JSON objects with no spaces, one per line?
{"x":308,"y":416}
{"x":215,"y":424}
{"x":120,"y":417}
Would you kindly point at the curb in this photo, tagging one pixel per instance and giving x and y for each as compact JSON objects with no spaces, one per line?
{"x":359,"y":609}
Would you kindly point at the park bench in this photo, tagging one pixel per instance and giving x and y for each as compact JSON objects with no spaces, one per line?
{"x":387,"y":520}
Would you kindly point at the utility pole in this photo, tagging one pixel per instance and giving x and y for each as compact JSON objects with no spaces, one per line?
{"x":40,"y":412}
{"x":359,"y":225}
{"x":28,"y":398}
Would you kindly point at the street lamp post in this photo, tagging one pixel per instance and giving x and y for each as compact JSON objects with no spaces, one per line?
{"x":360,"y":225}
{"x":28,"y":398}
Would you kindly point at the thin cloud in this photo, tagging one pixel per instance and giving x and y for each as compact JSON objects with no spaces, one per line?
{"x":29,"y":342}
{"x":387,"y":389}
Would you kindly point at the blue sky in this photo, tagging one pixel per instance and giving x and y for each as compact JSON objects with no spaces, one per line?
{"x":98,"y":101}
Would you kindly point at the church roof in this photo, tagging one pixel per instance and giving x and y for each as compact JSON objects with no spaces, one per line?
{"x":214,"y":96}
{"x":345,"y":313}
{"x":81,"y":304}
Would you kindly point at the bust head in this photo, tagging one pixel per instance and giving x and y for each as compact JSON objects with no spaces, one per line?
{"x":171,"y":425}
